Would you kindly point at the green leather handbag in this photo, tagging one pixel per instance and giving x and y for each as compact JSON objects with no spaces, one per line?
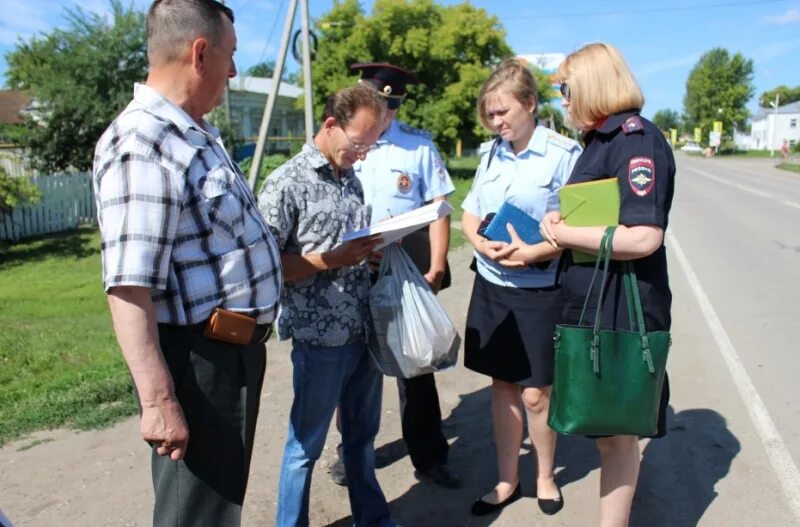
{"x":608,"y":382}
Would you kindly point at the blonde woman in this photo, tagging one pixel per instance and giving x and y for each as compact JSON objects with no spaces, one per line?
{"x":603,"y":100}
{"x":514,"y":304}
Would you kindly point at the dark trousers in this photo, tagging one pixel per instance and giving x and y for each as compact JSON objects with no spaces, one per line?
{"x":218,"y":386}
{"x":419,"y":400}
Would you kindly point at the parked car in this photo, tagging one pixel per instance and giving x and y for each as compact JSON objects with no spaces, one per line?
{"x":691,"y":146}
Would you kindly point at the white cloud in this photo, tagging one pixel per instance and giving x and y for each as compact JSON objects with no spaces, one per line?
{"x":657,"y":67}
{"x":791,"y":16}
{"x":773,"y":51}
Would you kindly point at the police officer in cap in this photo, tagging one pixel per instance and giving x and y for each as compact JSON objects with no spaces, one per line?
{"x":402,"y":172}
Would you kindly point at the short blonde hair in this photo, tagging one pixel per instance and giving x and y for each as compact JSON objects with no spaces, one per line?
{"x":513,"y":77}
{"x":600,"y":84}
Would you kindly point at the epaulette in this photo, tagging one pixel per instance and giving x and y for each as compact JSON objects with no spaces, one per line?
{"x":562,"y":141}
{"x":408,"y":129}
{"x":632,"y":124}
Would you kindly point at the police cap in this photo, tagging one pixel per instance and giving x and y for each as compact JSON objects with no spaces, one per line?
{"x":388,"y":79}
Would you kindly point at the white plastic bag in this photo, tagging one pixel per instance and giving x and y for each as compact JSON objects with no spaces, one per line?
{"x":412,"y":334}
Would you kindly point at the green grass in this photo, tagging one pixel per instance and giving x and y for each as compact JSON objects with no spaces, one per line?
{"x":461,"y":171}
{"x":748,"y":153}
{"x":60,"y":365}
{"x":59,"y":360}
{"x":791,"y":167}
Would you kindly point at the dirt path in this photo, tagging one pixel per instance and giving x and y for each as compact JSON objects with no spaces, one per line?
{"x":710,"y":470}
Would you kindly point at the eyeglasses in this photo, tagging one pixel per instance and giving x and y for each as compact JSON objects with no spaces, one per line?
{"x":356,"y":147}
{"x":565,"y":92}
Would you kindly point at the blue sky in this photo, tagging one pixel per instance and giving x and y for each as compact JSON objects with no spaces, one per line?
{"x":662,"y":40}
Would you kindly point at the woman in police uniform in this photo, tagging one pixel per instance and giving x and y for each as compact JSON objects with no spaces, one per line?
{"x":514,"y":304}
{"x":603,"y":100}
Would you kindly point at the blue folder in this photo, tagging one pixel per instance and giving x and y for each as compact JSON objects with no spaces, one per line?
{"x":527,"y":228}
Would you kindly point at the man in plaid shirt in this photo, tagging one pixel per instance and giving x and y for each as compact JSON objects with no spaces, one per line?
{"x":182,"y":236}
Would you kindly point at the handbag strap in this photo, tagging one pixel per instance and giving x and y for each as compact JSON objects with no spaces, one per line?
{"x":632,"y":292}
{"x":604,"y":254}
{"x":600,"y":258}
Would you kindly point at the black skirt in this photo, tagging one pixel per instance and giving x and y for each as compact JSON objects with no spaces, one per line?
{"x":509,"y":334}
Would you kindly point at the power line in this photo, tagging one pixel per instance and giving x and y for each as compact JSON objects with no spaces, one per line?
{"x":643,"y":11}
{"x":271,"y":32}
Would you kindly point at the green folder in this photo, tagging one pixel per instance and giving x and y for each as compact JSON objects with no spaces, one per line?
{"x":588,"y":204}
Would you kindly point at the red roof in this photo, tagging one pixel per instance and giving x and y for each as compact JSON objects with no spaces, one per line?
{"x":12,"y":103}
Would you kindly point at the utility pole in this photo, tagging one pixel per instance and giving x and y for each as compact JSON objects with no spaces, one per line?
{"x":276,"y":83}
{"x":774,"y":124}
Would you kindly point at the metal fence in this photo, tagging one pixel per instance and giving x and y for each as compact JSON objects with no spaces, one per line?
{"x":67,"y":201}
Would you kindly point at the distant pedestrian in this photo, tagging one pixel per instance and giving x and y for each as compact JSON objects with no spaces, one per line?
{"x":604,"y":101}
{"x":182,"y":238}
{"x":785,"y":150}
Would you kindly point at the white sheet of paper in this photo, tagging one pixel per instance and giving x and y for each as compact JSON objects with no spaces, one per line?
{"x":392,"y":229}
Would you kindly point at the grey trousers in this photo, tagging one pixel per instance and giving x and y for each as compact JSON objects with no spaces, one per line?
{"x":219,"y":387}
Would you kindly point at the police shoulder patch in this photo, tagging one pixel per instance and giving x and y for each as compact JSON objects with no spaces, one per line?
{"x":408,"y":129}
{"x":560,"y":140}
{"x":632,"y":124}
{"x":641,"y":175}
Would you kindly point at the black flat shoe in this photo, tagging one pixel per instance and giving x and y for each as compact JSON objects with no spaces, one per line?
{"x":552,"y":506}
{"x":482,"y":508}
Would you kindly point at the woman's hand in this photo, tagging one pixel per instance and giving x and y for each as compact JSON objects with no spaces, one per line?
{"x":495,"y":250}
{"x":549,"y":225}
{"x":520,"y":254}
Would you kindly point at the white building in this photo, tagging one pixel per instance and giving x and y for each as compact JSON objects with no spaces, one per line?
{"x":248,"y":96}
{"x":770,"y":128}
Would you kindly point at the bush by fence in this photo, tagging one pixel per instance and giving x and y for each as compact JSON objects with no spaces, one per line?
{"x":67,"y":201}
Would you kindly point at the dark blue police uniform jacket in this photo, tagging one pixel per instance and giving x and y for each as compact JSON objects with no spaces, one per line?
{"x":633,"y":150}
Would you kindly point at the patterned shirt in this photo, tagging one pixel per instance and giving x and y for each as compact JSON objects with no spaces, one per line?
{"x":177,"y":216}
{"x":309,"y":209}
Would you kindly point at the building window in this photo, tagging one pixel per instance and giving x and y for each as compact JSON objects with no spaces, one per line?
{"x":793,"y":123}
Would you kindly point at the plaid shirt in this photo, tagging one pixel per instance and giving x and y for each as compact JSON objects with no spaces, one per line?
{"x":177,"y":216}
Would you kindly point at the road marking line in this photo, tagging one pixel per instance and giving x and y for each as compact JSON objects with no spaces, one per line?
{"x":791,"y":203}
{"x":777,"y":453}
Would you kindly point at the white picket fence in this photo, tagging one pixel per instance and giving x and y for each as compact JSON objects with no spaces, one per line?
{"x":67,"y":201}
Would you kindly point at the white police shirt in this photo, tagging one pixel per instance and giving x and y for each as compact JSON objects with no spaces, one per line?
{"x":530,"y":181}
{"x":402,"y":172}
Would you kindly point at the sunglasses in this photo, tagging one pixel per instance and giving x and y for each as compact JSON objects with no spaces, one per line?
{"x":565,"y":92}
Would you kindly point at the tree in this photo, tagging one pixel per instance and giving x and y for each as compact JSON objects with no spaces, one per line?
{"x":544,"y":94}
{"x":15,"y":191}
{"x":80,"y":78}
{"x":263,"y":69}
{"x":787,"y":95}
{"x":718,"y":89}
{"x":451,"y":49}
{"x":666,"y":119}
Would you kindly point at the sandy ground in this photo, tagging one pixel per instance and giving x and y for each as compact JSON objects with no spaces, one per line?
{"x":710,"y":470}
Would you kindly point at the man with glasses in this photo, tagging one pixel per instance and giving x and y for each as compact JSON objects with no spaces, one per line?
{"x":403,"y":172}
{"x":309,"y":203}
